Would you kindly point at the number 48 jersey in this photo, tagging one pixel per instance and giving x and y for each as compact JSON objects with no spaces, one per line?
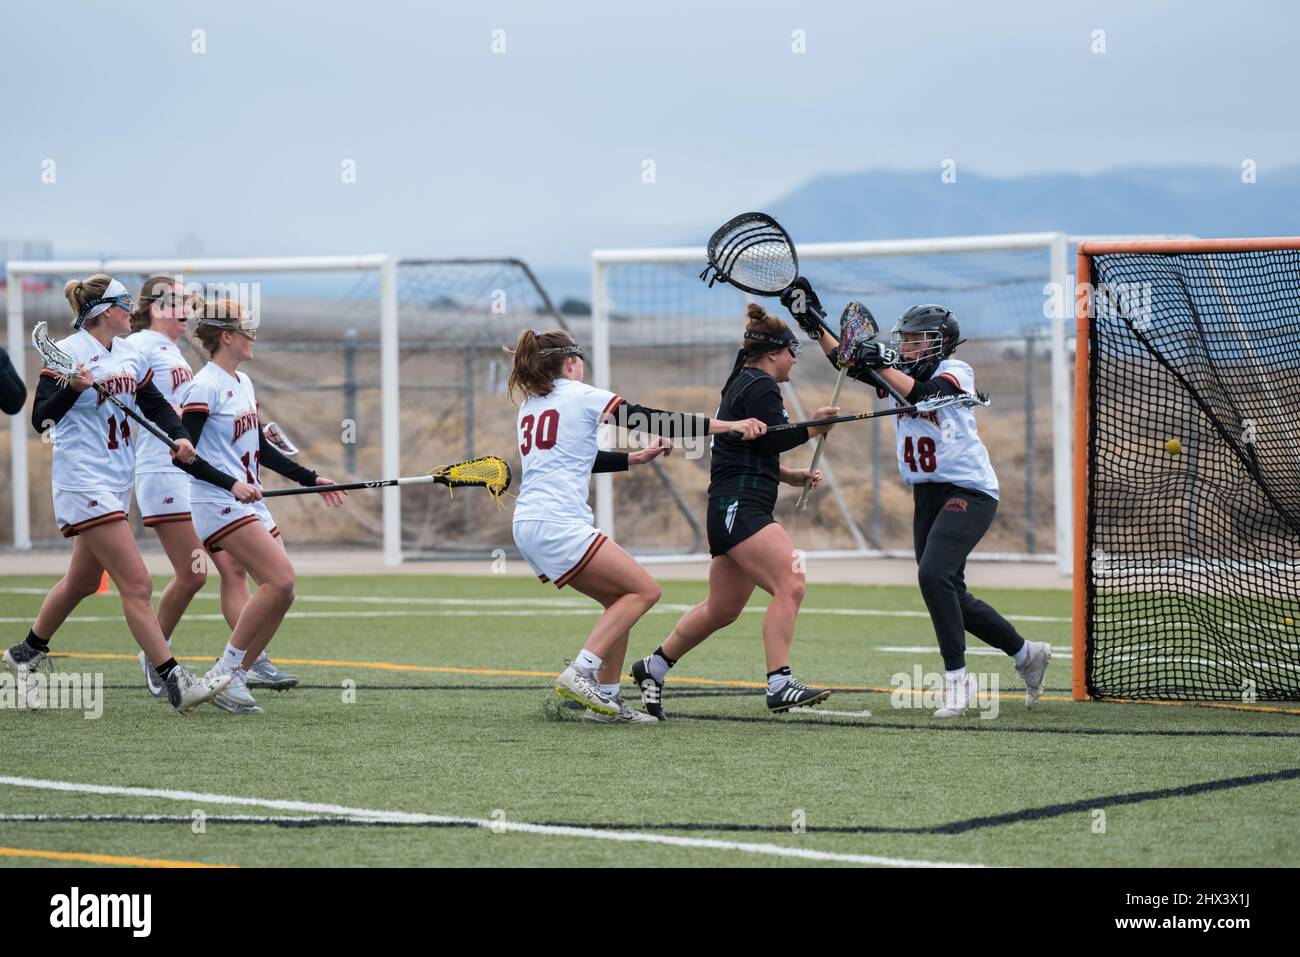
{"x":230,"y":438}
{"x":557,"y":445}
{"x":944,"y":446}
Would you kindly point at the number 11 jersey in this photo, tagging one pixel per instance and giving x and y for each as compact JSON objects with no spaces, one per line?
{"x":230,"y":438}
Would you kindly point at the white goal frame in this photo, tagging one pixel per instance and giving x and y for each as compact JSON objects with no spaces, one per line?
{"x":1058,"y":291}
{"x":384,"y":265}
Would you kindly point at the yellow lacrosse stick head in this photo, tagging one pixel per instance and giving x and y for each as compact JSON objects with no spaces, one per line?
{"x":489,"y":472}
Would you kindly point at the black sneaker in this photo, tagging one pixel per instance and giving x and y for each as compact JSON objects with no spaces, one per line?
{"x":796,"y":694}
{"x":652,"y":690}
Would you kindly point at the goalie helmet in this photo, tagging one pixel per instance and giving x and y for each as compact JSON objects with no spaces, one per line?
{"x":942,"y":335}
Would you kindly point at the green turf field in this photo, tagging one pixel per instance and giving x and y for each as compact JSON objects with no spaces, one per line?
{"x":453,"y":723}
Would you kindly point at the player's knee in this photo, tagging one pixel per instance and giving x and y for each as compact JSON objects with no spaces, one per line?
{"x":792,"y":590}
{"x":932,"y":577}
{"x":79,"y":588}
{"x":650,"y":593}
{"x":720,"y":616}
{"x":136,"y":588}
{"x":192,"y":582}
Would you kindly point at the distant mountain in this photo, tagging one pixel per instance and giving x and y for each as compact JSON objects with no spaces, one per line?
{"x":890,"y":204}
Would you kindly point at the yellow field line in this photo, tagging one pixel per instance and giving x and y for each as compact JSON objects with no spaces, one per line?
{"x":714,"y":682}
{"x":104,"y":858}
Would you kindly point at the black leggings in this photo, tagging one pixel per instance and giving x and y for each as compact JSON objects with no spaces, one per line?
{"x":948,"y":523}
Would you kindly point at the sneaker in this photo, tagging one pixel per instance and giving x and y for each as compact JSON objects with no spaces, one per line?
{"x":187,"y":692}
{"x":796,"y":694}
{"x":235,"y":699}
{"x":958,"y":695}
{"x":151,"y":679}
{"x":1034,"y":670}
{"x":581,"y":685}
{"x":652,"y":689}
{"x":264,"y":674}
{"x":625,"y":715}
{"x":23,"y":661}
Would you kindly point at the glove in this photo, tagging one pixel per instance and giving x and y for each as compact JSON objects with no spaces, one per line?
{"x":872,"y":355}
{"x":803,"y":304}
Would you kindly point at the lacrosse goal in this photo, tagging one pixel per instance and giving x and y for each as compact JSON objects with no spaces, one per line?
{"x":1187,"y":485}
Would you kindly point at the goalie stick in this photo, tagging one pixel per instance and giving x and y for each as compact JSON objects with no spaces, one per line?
{"x":920,"y":408}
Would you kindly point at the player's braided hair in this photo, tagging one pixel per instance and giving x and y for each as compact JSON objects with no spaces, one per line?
{"x":532,"y":372}
{"x":153,"y":289}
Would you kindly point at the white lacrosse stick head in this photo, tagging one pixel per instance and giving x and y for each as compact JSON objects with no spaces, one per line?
{"x":54,"y":358}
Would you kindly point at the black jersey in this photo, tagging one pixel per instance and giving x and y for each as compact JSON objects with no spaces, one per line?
{"x":751,"y":471}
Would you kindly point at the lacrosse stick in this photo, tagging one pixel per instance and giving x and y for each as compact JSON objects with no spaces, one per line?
{"x":856,"y":324}
{"x":754,"y":253}
{"x":64,"y":367}
{"x":275,"y":435}
{"x":489,"y":472}
{"x":921,"y":408}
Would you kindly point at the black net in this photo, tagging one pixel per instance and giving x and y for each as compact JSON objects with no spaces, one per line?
{"x":753,"y":253}
{"x":1193,"y":532}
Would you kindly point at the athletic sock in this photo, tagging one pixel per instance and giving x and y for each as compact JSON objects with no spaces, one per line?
{"x":166,"y":668}
{"x":1022,"y":655}
{"x":956,"y":673}
{"x":659,"y":664}
{"x":587,"y":661}
{"x":776,"y":680}
{"x":37,"y":644}
{"x":232,"y":657}
{"x":610,"y":691}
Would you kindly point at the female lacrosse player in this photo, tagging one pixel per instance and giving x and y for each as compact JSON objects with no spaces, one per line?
{"x":162,"y":491}
{"x":748,"y":547}
{"x":219,"y":410}
{"x":94,"y":459}
{"x":955,"y":491}
{"x":552,"y":523}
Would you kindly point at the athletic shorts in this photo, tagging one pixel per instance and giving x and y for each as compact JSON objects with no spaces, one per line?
{"x":215,"y":520}
{"x":557,"y":551}
{"x":731,"y":521}
{"x":162,"y":497}
{"x":79,"y":509}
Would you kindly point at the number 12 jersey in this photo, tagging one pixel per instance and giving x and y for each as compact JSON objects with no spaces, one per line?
{"x":230,"y":439}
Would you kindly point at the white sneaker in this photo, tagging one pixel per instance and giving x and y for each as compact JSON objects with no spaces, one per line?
{"x":958,"y":694}
{"x":236,"y":698}
{"x":581,"y":685}
{"x":625,"y":715}
{"x":1034,"y":670}
{"x":187,"y":692}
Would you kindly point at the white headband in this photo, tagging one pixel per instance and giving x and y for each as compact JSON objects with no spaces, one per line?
{"x":114,"y":290}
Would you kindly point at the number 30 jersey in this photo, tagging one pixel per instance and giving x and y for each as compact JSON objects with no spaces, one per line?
{"x":944,"y":446}
{"x":557,"y":445}
{"x":230,"y":438}
{"x":95,"y":441}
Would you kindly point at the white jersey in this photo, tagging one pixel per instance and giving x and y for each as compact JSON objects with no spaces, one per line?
{"x":95,"y":442}
{"x":170,"y":373}
{"x":945,"y":446}
{"x":557,"y":444}
{"x":230,"y":440}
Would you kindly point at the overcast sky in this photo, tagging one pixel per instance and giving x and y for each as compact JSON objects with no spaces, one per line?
{"x":539,"y":151}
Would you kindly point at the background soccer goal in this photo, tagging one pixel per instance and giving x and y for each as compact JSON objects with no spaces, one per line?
{"x":1187,"y":508}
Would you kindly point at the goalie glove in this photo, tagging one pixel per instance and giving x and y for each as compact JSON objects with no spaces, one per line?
{"x":872,"y":355}
{"x":803,"y":304}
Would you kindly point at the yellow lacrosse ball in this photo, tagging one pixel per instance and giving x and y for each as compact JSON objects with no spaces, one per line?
{"x":1173,"y":447}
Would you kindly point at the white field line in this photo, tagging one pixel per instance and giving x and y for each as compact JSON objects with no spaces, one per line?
{"x":496,"y":826}
{"x":504,"y":607}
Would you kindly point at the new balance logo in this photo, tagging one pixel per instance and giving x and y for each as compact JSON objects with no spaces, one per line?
{"x":168,"y":500}
{"x":225,"y":511}
{"x":93,"y":503}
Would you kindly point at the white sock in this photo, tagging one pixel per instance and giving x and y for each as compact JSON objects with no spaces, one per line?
{"x":610,"y":691}
{"x":1020,"y":656}
{"x":232,"y":657}
{"x":778,"y":680}
{"x":658,"y":666}
{"x":956,"y":675}
{"x":587,"y":661}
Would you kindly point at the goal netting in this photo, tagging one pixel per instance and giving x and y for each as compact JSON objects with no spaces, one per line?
{"x":1188,"y":557}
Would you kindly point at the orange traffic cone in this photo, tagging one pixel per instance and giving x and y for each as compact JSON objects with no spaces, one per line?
{"x":103,"y":585}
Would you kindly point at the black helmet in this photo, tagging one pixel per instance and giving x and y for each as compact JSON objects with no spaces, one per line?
{"x":942,"y":336}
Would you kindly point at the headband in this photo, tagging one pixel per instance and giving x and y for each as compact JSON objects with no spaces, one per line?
{"x":94,"y":307}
